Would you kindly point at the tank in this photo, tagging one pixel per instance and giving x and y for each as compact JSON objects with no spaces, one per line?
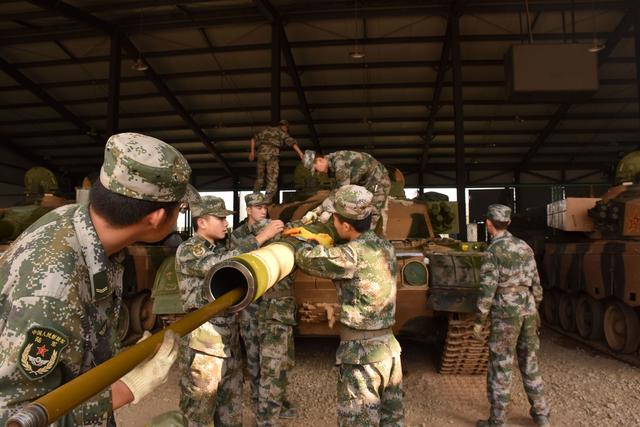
{"x":438,"y":279}
{"x":592,"y":267}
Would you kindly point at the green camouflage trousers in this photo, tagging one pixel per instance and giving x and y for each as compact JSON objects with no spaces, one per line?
{"x":276,"y":358}
{"x":248,"y":319}
{"x":371,"y":394}
{"x":271,"y":166}
{"x":211,"y":388}
{"x":380,"y":203}
{"x":510,"y":336}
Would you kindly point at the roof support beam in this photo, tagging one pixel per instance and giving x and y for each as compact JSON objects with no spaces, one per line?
{"x":636,"y":26}
{"x":461,"y":172}
{"x":49,"y":100}
{"x":621,"y":29}
{"x":113,"y":102}
{"x":86,"y":18}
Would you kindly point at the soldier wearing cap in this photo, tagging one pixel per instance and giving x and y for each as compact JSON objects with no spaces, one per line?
{"x":510,"y":292}
{"x":210,"y":357}
{"x":62,"y":282}
{"x":364,"y":273}
{"x":268,"y":143}
{"x":351,"y":167}
{"x":267,"y":329}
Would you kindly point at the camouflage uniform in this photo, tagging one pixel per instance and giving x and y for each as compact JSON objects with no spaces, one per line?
{"x":276,"y":317}
{"x":510,"y":291}
{"x":248,"y":318}
{"x":210,"y":357}
{"x":269,"y":142}
{"x":364,"y":273}
{"x":61,"y":294}
{"x":352,"y":167}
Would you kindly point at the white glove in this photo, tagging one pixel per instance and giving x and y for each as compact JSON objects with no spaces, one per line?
{"x":151,"y":373}
{"x":477,"y":332}
{"x":309,"y":217}
{"x":324,"y":217}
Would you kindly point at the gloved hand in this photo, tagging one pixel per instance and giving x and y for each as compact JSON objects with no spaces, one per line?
{"x":309,"y":217}
{"x":302,"y":233}
{"x":324,"y":217}
{"x":154,"y":371}
{"x":477,"y":332}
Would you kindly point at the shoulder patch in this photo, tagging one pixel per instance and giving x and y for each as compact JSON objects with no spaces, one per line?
{"x":198,"y":250}
{"x":40,"y":352}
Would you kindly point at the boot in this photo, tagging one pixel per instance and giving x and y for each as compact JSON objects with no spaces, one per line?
{"x":490,"y":423}
{"x":542,"y":421}
{"x":288,"y":411}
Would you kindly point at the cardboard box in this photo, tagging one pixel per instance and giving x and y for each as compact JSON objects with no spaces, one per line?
{"x":570,"y":214}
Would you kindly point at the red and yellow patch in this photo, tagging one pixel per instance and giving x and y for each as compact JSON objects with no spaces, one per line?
{"x":40,"y":352}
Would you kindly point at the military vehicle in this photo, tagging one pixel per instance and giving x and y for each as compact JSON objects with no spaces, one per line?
{"x":592,"y":269}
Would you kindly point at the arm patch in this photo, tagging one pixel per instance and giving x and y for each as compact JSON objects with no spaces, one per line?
{"x":40,"y":352}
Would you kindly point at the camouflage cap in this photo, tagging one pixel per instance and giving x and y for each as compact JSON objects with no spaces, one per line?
{"x":308,"y":160}
{"x":283,"y":123}
{"x":191,"y":195}
{"x":209,"y":205}
{"x":353,"y":202}
{"x":142,"y":167}
{"x":499,"y":213}
{"x":254,"y":199}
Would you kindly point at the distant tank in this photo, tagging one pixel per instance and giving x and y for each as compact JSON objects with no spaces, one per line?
{"x":593,"y":269}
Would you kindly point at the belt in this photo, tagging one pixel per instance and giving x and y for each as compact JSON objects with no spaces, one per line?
{"x":350,"y":334}
{"x":513,"y":289}
{"x":277,"y":293}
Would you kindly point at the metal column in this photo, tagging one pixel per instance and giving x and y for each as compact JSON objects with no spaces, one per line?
{"x":461,"y":174}
{"x":113,"y":103}
{"x":275,"y":70}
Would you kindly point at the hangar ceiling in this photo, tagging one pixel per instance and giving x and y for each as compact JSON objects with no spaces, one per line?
{"x":70,"y":79}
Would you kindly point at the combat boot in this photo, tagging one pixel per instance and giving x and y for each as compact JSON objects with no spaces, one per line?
{"x":288,"y":411}
{"x":542,"y":421}
{"x":490,"y":423}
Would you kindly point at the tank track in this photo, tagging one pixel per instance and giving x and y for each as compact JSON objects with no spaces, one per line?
{"x":462,"y":354}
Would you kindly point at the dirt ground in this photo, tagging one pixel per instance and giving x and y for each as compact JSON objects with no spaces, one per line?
{"x":584,"y":388}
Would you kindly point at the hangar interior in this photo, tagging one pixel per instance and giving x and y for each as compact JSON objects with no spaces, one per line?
{"x":419,"y":85}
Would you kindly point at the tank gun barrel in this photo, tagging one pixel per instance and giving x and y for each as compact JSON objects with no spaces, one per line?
{"x":232,"y":284}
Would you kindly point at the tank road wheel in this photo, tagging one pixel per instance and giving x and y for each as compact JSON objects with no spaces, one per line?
{"x":142,"y":316}
{"x":621,"y":327}
{"x":550,"y":307}
{"x":566,"y":312}
{"x":589,"y":316}
{"x":123,"y":322}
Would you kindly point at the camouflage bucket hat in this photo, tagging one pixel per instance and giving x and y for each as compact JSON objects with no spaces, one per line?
{"x":142,"y":167}
{"x":499,"y":213}
{"x":353,"y":202}
{"x":307,"y":161}
{"x":210,"y":205}
{"x":254,"y":199}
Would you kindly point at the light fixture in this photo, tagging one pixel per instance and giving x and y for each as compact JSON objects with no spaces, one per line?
{"x":596,"y":46}
{"x":356,"y":53}
{"x":139,"y":64}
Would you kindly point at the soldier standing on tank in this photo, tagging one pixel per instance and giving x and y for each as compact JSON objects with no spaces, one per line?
{"x":364,"y":273}
{"x":268,"y":143}
{"x":268,"y":325}
{"x":62,"y":282}
{"x":350,"y":167}
{"x":210,"y":359}
{"x":510,"y":292}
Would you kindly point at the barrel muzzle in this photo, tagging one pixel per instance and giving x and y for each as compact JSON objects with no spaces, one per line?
{"x":32,"y":415}
{"x":254,"y":273}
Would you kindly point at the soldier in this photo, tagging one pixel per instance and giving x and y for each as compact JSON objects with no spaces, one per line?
{"x":351,"y":167}
{"x":270,"y":325}
{"x":210,"y":360}
{"x":364,"y":273}
{"x":62,"y":282}
{"x":269,"y":142}
{"x":510,"y":291}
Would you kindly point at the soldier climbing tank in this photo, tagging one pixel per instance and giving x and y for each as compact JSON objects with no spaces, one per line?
{"x":592,"y":271}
